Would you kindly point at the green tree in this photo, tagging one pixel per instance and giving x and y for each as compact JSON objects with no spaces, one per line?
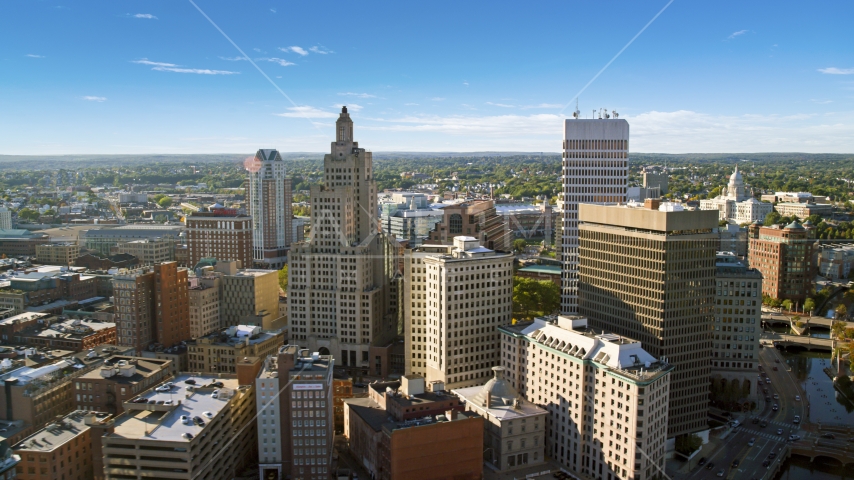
{"x":841,"y":311}
{"x":532,"y":298}
{"x":165,"y":202}
{"x":786,"y":304}
{"x":838,"y":329}
{"x":809,"y":305}
{"x":688,"y":444}
{"x":519,"y":245}
{"x":283,"y":278}
{"x":772,"y":218}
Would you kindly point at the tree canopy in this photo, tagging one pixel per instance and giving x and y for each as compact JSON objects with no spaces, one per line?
{"x":534,"y":298}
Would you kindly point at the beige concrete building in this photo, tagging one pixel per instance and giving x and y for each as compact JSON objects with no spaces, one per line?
{"x":149,"y":251}
{"x":738,"y":318}
{"x":514,"y":429}
{"x":606,"y":397}
{"x":802,"y":210}
{"x":57,"y":253}
{"x":220,"y":352}
{"x":250,"y":297}
{"x":648,"y":273}
{"x":595,"y":170}
{"x":340,"y":279}
{"x":268,"y":199}
{"x":204,"y":430}
{"x":736,"y":203}
{"x":204,"y":294}
{"x":455,"y":298}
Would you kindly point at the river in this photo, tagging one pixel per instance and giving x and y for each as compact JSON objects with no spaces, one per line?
{"x":827,"y":406}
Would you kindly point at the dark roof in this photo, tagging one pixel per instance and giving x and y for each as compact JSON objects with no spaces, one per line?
{"x":369,"y":411}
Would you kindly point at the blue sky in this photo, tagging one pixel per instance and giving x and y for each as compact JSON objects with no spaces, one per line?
{"x":158,"y":77}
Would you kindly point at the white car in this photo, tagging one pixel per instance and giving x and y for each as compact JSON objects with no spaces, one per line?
{"x":164,"y":388}
{"x":215,"y":394}
{"x":797,"y":398}
{"x":208,"y":414}
{"x":185,"y":419}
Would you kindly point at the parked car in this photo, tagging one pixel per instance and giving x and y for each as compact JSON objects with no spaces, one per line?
{"x":765,"y":463}
{"x":794,"y":438}
{"x":701,"y":462}
{"x":187,"y":435}
{"x":710,"y":465}
{"x":831,"y":436}
{"x":775,"y":407}
{"x":797,"y":419}
{"x":185,"y":419}
{"x":775,"y":369}
{"x":751,"y":442}
{"x":721,"y":472}
{"x":198,"y":421}
{"x":772,"y":456}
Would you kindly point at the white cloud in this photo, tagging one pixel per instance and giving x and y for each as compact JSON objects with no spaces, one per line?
{"x":306,"y":112}
{"x":661,"y":132}
{"x":171,"y":67}
{"x":280,"y":61}
{"x":466,"y":83}
{"x":837,"y":71}
{"x":352,"y":107}
{"x":147,"y":16}
{"x":32,"y":55}
{"x":410,"y":104}
{"x":294,"y":49}
{"x":273,"y":10}
{"x":94,"y":99}
{"x":320,"y":50}
{"x":257,"y":49}
{"x":737,"y":34}
{"x":501,"y":105}
{"x":821,"y":102}
{"x":233,"y":59}
{"x":543,"y":105}
{"x":437,"y":99}
{"x":357,"y":95}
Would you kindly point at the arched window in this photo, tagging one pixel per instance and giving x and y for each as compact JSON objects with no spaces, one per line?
{"x":456,"y":223}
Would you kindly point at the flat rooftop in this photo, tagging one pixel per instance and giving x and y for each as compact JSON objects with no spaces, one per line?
{"x":145,"y":367}
{"x":58,"y":433}
{"x":152,"y":421}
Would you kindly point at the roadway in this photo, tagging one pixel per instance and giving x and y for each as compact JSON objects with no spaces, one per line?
{"x":766,"y":439}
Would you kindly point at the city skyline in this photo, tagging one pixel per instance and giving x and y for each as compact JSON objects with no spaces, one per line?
{"x":157,"y":77}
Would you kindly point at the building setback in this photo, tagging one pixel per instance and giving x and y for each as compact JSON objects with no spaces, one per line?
{"x":648,"y":273}
{"x":455,"y":298}
{"x":268,"y":199}
{"x":606,"y":397}
{"x":595,"y":170}
{"x":340,"y":280}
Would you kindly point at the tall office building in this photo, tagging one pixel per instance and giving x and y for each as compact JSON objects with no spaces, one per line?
{"x":454,"y":300}
{"x":339,"y":280}
{"x":268,"y":199}
{"x":648,"y":273}
{"x":595,"y":170}
{"x":172,"y":307}
{"x":738,"y":315}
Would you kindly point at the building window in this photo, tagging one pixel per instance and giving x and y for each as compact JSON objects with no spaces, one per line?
{"x":455,"y":223}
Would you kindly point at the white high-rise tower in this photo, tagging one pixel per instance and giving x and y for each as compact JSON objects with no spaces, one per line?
{"x":268,"y":199}
{"x":595,"y":170}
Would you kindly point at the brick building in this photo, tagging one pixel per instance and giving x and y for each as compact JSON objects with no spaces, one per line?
{"x":784,"y":256}
{"x":476,"y":218}
{"x":221,"y":235}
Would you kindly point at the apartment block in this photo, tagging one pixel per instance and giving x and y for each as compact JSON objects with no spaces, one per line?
{"x":223,"y":235}
{"x":455,"y":298}
{"x":595,"y":169}
{"x":738,"y":319}
{"x":172,"y":309}
{"x":514,"y":429}
{"x":476,"y":218}
{"x":340,"y":279}
{"x":60,"y":451}
{"x":221,"y":352}
{"x":204,"y":300}
{"x":648,"y":273}
{"x":269,"y":201}
{"x":57,"y":253}
{"x":117,"y":381}
{"x":606,"y":397}
{"x":784,"y":256}
{"x":134,"y":295}
{"x":201,"y":429}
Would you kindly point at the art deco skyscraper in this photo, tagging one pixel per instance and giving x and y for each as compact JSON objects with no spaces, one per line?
{"x":269,"y":197}
{"x":595,"y":170}
{"x":340,"y":278}
{"x":648,"y":273}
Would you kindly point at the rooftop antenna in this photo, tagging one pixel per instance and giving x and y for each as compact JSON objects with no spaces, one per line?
{"x":577,"y":112}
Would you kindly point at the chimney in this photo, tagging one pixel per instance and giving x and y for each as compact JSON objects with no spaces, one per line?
{"x":651,"y":203}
